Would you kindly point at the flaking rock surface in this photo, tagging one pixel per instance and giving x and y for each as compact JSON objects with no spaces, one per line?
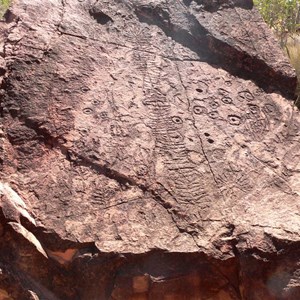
{"x":149,"y":150}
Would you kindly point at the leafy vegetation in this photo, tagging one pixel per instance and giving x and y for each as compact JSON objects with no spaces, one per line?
{"x":283,"y":16}
{"x":4,"y":4}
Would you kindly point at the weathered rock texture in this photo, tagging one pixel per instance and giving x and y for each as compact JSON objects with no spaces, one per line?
{"x":150,"y":150}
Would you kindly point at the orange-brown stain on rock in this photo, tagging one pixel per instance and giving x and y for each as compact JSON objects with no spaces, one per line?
{"x":140,"y":287}
{"x":141,"y":284}
{"x":4,"y":295}
{"x":63,"y":257}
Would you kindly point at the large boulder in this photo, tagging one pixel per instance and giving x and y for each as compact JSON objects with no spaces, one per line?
{"x":150,"y":150}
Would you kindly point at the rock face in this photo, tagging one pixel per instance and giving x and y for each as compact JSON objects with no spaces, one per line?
{"x":149,"y":150}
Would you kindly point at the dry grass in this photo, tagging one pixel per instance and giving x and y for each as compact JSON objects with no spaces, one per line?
{"x":293,"y":52}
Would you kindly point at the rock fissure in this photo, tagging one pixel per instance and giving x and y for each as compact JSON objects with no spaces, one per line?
{"x":206,"y":46}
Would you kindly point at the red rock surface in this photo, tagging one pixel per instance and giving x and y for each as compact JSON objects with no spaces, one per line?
{"x":150,"y":150}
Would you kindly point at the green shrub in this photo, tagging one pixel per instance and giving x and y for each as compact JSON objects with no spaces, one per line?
{"x":283,"y":16}
{"x":4,"y":4}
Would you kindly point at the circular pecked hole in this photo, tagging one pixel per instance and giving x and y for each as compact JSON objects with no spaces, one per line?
{"x":206,"y":134}
{"x":87,"y":111}
{"x":85,"y":89}
{"x":199,"y":90}
{"x":213,"y":115}
{"x":176,"y":120}
{"x":234,"y":120}
{"x":83,"y":131}
{"x":226,"y":100}
{"x":214,"y":104}
{"x":198,"y":110}
{"x":95,"y":102}
{"x":211,"y":141}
